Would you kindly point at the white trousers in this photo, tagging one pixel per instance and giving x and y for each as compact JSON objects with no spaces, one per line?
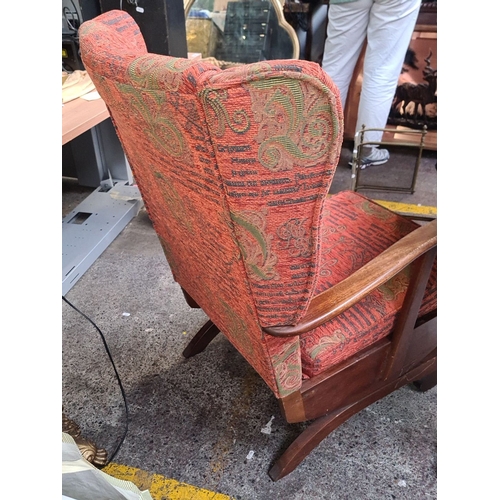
{"x":387,"y":26}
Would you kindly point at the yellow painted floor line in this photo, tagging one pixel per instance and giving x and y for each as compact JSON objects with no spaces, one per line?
{"x":161,"y":488}
{"x":406,"y":208}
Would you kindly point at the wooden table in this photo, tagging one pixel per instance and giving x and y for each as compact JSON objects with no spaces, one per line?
{"x":80,"y":115}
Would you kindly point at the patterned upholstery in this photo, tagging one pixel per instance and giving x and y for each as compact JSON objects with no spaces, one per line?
{"x":234,"y":167}
{"x":355,"y":230}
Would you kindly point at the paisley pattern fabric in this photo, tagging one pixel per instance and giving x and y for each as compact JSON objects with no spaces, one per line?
{"x":354,"y":231}
{"x":277,"y":127}
{"x":234,"y":168}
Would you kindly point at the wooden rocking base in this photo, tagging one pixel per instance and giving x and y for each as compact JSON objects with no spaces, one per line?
{"x":426,"y":383}
{"x":323,"y":426}
{"x":333,"y":397}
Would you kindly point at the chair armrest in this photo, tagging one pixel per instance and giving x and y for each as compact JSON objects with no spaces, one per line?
{"x":334,"y":301}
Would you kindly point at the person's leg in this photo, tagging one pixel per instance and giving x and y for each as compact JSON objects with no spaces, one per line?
{"x":389,"y":33}
{"x":346,"y":33}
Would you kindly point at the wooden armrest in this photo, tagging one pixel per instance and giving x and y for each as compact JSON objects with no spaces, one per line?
{"x":334,"y":301}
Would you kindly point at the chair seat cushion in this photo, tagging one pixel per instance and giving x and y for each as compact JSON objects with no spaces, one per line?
{"x":354,"y":231}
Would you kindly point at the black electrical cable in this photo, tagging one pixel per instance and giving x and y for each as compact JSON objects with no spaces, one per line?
{"x":67,"y":13}
{"x":116,"y":373}
{"x":77,"y":13}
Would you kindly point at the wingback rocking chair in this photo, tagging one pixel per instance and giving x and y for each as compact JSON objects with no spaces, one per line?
{"x":332,"y":299}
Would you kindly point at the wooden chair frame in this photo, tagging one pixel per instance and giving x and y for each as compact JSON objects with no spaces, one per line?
{"x":407,"y":355}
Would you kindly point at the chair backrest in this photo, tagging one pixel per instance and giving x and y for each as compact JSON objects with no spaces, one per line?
{"x":233,"y":166}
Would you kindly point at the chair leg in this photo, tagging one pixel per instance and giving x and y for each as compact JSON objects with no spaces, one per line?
{"x":426,"y":383}
{"x":190,"y":301}
{"x":306,"y":442}
{"x":200,"y":341}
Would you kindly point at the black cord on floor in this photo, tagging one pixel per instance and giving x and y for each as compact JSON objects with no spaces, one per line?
{"x":116,"y":373}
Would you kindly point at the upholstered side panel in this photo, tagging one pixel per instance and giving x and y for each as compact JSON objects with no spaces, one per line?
{"x":356,"y":230}
{"x":161,"y":123}
{"x":277,"y":127}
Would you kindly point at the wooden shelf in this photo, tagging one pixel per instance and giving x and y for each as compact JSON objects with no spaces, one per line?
{"x":430,"y":141}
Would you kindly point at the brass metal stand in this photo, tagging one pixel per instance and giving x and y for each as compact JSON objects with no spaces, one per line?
{"x":89,"y":450}
{"x":359,"y":143}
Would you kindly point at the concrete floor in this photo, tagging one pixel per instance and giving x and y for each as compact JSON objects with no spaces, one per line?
{"x":196,"y":420}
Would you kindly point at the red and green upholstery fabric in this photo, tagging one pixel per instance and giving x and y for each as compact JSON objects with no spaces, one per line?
{"x":234,"y":168}
{"x":354,"y":231}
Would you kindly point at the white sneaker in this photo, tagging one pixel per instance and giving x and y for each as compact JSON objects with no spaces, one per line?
{"x":376,"y":157}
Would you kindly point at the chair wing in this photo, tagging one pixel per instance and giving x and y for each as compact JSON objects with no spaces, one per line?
{"x":276,"y":127}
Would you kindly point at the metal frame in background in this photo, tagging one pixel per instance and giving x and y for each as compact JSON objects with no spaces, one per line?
{"x":359,"y":143}
{"x":98,"y":220}
{"x":89,"y":229}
